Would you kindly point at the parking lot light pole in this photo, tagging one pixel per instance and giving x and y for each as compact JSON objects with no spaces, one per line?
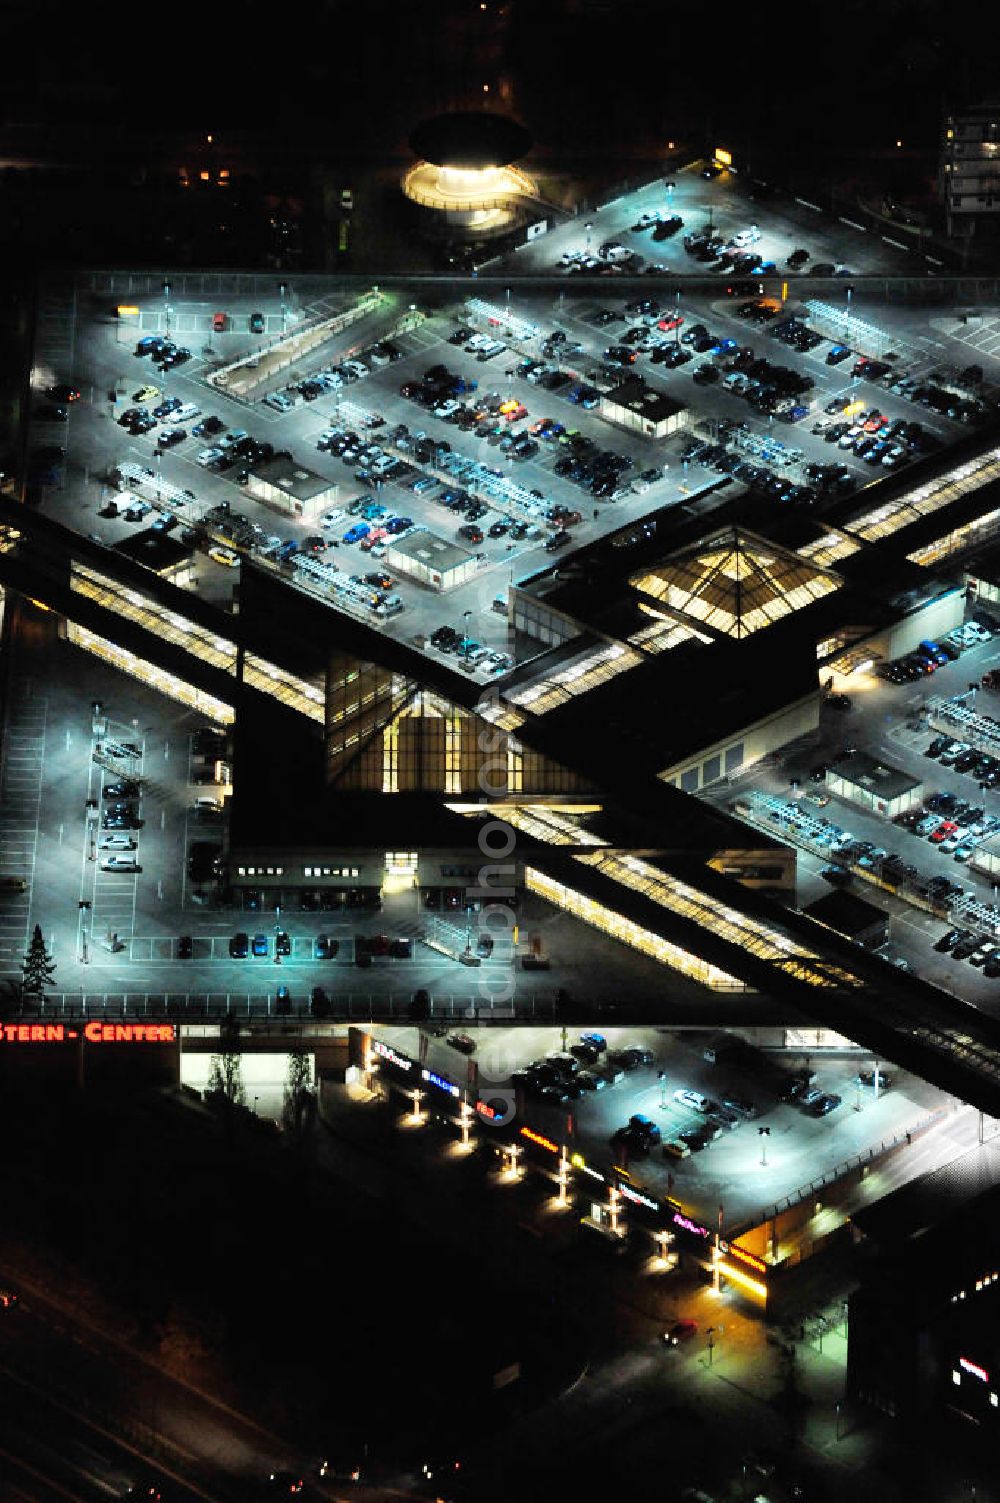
{"x":84,"y":953}
{"x":764,"y":1133}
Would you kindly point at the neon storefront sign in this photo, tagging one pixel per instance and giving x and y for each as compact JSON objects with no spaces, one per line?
{"x":579,"y":1162}
{"x":391,"y":1056}
{"x":690,"y":1226}
{"x":537,"y":1138}
{"x":638,"y":1198}
{"x":974,"y":1369}
{"x":489,"y":1112}
{"x":92,"y":1033}
{"x":745,"y":1257}
{"x":441,"y":1081}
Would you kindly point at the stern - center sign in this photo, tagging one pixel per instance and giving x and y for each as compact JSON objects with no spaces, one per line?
{"x":91,"y":1033}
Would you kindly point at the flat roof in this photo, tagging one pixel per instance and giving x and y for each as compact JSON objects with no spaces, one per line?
{"x":846,"y":912}
{"x":288,"y":475}
{"x":867,"y":772}
{"x":645,"y":401}
{"x":155,"y":549}
{"x":426,"y":547}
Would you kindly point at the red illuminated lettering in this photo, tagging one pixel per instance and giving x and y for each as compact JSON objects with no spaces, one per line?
{"x":748,"y":1258}
{"x":54,"y":1033}
{"x":130,"y":1033}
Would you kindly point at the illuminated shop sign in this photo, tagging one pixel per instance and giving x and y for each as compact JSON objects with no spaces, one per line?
{"x":974,"y":1369}
{"x":746,"y":1257}
{"x":391,"y":1055}
{"x":691,"y":1226}
{"x":579,"y":1162}
{"x":491,"y":1113}
{"x":739,"y":1277}
{"x":93,"y":1033}
{"x":441,"y":1081}
{"x":536,"y":1137}
{"x":638,"y":1198}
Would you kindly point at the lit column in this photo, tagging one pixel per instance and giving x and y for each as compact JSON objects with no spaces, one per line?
{"x":563,"y":1178}
{"x":465,"y":1122}
{"x":615,"y":1209}
{"x":511,"y":1154}
{"x":416,"y":1116}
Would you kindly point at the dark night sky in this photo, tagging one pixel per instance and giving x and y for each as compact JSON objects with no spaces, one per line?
{"x":580,"y":72}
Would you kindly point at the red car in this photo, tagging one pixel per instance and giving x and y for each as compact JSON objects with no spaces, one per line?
{"x":943,"y":832}
{"x":219,"y":322}
{"x":672,"y":321}
{"x":681,"y":1330}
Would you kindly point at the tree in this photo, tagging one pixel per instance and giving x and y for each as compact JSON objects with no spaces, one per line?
{"x":299,"y":1102}
{"x":226,"y":1074}
{"x":38,"y":967}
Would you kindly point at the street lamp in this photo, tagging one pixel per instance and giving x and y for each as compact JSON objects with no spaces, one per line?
{"x":588,"y":226}
{"x":84,"y":910}
{"x":763,"y":1133}
{"x":847,"y":327}
{"x":466,"y":616}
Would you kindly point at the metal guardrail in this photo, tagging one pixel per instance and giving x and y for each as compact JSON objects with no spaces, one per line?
{"x":856,"y":1161}
{"x":213,"y":1006}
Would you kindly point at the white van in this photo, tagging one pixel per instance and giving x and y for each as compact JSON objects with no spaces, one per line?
{"x":205,"y":805}
{"x":746,"y":237}
{"x":117,"y":843}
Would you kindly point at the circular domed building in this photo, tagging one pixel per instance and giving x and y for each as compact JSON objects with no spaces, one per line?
{"x":465,"y":177}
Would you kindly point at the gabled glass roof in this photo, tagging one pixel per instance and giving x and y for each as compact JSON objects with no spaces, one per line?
{"x":736,"y":582}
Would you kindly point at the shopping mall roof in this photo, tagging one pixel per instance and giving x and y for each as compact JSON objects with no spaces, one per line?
{"x":470,"y":140}
{"x":735,"y":582}
{"x":156,"y":550}
{"x":847,"y":913}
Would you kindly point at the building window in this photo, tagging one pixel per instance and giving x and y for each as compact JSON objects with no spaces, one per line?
{"x":956,"y":1377}
{"x":241,"y":871}
{"x":689,"y":780}
{"x":734,"y":757}
{"x":711,"y":771}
